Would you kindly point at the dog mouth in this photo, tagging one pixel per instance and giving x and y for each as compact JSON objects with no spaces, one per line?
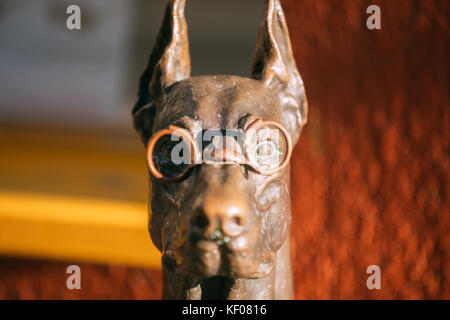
{"x":218,"y":261}
{"x":218,"y":256}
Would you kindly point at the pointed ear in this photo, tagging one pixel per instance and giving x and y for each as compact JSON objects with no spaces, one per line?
{"x":274,"y":64}
{"x":143,"y":121}
{"x":169,"y":62}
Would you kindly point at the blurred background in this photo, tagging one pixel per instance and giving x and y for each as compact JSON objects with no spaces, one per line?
{"x":370,"y":175}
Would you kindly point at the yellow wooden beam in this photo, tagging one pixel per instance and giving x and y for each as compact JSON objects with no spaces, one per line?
{"x":75,"y":229}
{"x":77,"y":194}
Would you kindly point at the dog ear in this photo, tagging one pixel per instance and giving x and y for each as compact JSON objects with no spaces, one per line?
{"x":169,"y":63}
{"x":274,"y":64}
{"x":143,"y":121}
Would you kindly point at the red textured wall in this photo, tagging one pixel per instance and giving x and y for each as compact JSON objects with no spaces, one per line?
{"x":36,"y":279}
{"x":371,"y":172}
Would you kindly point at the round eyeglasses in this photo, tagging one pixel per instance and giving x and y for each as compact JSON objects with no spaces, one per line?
{"x":264,"y":146}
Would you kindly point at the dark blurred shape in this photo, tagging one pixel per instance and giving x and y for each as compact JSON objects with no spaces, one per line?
{"x":52,"y":75}
{"x":222,"y":34}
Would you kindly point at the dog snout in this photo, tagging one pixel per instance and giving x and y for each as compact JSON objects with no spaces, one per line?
{"x":221,"y":217}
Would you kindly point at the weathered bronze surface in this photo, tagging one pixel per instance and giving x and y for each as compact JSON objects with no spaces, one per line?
{"x":223,"y":229}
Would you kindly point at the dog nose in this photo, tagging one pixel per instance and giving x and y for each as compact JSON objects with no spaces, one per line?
{"x":221,"y":218}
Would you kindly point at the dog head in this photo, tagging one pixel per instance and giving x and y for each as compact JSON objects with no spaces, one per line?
{"x":220,"y":218}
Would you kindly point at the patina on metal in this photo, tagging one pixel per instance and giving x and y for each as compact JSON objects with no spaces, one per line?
{"x":223,"y":228}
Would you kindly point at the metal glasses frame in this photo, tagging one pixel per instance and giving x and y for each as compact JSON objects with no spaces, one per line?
{"x":196,"y":157}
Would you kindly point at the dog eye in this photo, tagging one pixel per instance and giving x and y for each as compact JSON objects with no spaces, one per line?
{"x":267,"y":148}
{"x":171,"y":158}
{"x":270,"y":147}
{"x":167,"y":148}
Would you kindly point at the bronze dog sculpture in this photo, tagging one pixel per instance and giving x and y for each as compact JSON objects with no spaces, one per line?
{"x":223,"y":227}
